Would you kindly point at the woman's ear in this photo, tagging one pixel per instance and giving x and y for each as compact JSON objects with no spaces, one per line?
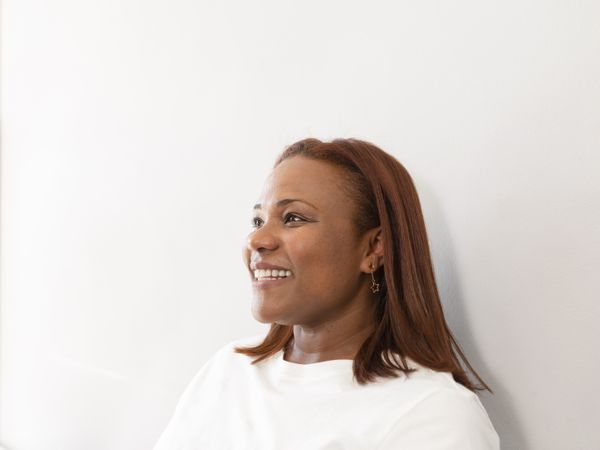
{"x":374,"y":253}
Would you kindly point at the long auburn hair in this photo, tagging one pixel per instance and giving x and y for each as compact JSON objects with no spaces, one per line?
{"x":409,"y":317}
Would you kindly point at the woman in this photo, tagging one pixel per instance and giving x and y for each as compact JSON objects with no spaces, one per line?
{"x":359,"y":355}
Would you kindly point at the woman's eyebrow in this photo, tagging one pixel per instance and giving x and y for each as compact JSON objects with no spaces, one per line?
{"x":287,"y":201}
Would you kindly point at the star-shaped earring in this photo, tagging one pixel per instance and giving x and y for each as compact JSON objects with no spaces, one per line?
{"x":374,"y":286}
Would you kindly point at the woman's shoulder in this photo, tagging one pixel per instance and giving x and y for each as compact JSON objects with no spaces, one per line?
{"x":426,"y":380}
{"x":222,"y":364}
{"x":434,"y":404}
{"x":448,"y":418}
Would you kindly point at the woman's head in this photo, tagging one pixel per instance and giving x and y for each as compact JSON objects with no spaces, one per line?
{"x":309,"y":222}
{"x":371,"y":213}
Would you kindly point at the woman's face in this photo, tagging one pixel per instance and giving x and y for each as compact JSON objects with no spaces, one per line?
{"x":303,"y":224}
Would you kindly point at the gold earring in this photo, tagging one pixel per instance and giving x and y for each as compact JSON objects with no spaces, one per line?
{"x":374,"y":286}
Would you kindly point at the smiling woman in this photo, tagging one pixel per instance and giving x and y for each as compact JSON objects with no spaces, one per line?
{"x":359,"y":354}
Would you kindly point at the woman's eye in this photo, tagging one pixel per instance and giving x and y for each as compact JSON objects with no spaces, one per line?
{"x":300,"y":219}
{"x":257,"y":221}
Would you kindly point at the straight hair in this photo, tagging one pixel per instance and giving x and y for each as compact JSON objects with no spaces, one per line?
{"x":409,"y":317}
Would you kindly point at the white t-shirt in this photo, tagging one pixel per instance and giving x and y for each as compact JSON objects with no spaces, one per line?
{"x":280,"y":405}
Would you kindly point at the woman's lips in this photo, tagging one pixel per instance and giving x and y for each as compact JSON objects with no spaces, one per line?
{"x":268,"y":283}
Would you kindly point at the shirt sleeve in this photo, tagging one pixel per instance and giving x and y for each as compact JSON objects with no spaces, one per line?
{"x":445,"y":420}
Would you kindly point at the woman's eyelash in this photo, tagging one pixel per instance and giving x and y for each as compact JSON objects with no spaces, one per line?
{"x":256,"y":219}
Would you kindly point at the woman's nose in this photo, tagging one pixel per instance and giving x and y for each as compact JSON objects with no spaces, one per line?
{"x":262,"y":239}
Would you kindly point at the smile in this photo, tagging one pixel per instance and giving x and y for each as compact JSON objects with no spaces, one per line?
{"x":268,"y":274}
{"x":263,"y":279}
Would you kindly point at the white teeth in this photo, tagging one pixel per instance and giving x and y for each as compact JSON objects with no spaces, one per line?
{"x":268,"y":273}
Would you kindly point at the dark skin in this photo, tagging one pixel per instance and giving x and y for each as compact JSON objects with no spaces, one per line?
{"x":327,"y":299}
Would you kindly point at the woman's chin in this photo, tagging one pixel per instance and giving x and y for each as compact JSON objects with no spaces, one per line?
{"x":260,"y":317}
{"x":265,"y":314}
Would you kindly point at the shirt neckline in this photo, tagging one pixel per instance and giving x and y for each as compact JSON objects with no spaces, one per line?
{"x":312,"y":371}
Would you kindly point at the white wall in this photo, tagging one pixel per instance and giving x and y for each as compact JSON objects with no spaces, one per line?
{"x":136,"y":135}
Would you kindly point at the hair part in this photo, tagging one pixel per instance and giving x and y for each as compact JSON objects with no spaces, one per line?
{"x":409,"y":317}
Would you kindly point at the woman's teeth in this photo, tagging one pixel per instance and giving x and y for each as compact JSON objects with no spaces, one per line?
{"x":271,"y":274}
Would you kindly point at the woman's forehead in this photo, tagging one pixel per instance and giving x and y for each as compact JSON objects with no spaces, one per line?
{"x":314,"y":181}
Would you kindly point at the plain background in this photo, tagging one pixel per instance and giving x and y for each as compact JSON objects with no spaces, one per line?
{"x":136,"y":136}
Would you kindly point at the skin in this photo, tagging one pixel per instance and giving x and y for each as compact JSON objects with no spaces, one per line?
{"x":327,"y":299}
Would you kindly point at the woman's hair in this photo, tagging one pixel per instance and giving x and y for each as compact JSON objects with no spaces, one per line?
{"x":409,"y":317}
